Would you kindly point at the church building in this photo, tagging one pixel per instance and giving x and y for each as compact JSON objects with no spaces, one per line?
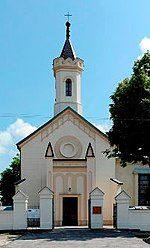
{"x":66,"y":153}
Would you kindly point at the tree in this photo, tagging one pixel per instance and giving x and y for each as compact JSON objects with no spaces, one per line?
{"x":8,"y":178}
{"x":130,"y":112}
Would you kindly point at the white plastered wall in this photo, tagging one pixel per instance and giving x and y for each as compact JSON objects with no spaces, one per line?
{"x":33,"y":169}
{"x":38,"y":170}
{"x":105,"y":169}
{"x":129,"y":179}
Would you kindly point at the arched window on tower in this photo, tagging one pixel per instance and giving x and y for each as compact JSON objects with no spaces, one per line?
{"x":68,"y":87}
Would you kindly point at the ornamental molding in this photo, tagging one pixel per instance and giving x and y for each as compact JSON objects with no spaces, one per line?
{"x":61,"y":121}
{"x":68,"y":147}
{"x":62,"y":64}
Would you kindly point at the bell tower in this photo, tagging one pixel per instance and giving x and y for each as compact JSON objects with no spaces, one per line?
{"x":67,"y":72}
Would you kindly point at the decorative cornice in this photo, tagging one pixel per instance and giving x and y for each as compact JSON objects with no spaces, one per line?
{"x":66,"y":64}
{"x":58,"y":120}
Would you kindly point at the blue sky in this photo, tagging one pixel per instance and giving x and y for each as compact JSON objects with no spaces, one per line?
{"x":108,"y":35}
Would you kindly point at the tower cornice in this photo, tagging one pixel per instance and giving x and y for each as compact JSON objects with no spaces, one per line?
{"x":67,"y":64}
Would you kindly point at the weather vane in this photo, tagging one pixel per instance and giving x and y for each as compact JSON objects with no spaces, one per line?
{"x":68,"y":15}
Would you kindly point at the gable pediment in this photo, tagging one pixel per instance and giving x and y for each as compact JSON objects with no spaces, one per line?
{"x":122,"y":196}
{"x":20,"y":196}
{"x":71,"y":116}
{"x":67,"y":115}
{"x":64,"y":118}
{"x":96,"y":192}
{"x":46,"y":191}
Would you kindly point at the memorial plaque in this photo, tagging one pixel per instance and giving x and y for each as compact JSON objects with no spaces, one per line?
{"x":97,"y":210}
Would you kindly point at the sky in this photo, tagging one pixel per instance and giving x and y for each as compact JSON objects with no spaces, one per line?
{"x":108,"y":35}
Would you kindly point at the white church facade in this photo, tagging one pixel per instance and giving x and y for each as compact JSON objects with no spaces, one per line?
{"x":66,"y":153}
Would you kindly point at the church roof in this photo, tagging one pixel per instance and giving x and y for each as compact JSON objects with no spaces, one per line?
{"x":55,"y":117}
{"x":67,"y":51}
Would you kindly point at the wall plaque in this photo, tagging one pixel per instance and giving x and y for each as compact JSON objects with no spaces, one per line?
{"x":97,"y":210}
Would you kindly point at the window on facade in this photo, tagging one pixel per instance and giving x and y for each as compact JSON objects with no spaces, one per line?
{"x":68,"y":87}
{"x":144,"y":189}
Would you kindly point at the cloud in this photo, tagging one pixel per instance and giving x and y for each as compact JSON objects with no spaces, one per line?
{"x":103,"y":127}
{"x":20,"y":129}
{"x":8,"y":139}
{"x":145,"y":44}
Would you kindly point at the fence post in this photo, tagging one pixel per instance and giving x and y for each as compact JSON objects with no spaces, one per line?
{"x":20,"y":203}
{"x":96,"y":209}
{"x":46,"y":208}
{"x":122,"y":200}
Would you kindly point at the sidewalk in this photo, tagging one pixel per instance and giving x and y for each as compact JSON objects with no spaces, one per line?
{"x":6,"y":238}
{"x":78,"y":238}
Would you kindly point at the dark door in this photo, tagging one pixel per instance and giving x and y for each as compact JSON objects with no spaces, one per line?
{"x":115,"y":216}
{"x":89,"y":203}
{"x":70,"y":211}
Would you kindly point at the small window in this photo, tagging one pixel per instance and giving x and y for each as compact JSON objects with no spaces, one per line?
{"x":144,"y":189}
{"x":68,"y":87}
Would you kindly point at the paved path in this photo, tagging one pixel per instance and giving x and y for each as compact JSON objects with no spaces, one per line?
{"x":78,"y":237}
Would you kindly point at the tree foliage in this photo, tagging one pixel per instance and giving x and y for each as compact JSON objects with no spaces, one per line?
{"x":8,"y":178}
{"x":130,"y":112}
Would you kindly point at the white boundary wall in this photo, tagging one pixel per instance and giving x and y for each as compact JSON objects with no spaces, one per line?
{"x":20,"y":201}
{"x":6,"y":220}
{"x":96,"y":210}
{"x":46,"y":208}
{"x":16,"y":219}
{"x":131,"y":218}
{"x":139,"y":219}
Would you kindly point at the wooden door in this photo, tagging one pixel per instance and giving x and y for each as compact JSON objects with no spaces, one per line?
{"x":70,"y":211}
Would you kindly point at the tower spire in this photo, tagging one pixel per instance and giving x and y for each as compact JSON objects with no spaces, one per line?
{"x":67,"y":72}
{"x":67,"y":51}
{"x":67,"y":30}
{"x":68,"y":26}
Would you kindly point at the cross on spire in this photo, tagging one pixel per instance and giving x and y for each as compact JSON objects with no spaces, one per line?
{"x":68,"y":15}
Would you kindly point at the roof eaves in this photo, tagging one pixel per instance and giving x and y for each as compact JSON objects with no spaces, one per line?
{"x":37,"y":130}
{"x":90,"y":124}
{"x":50,"y":121}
